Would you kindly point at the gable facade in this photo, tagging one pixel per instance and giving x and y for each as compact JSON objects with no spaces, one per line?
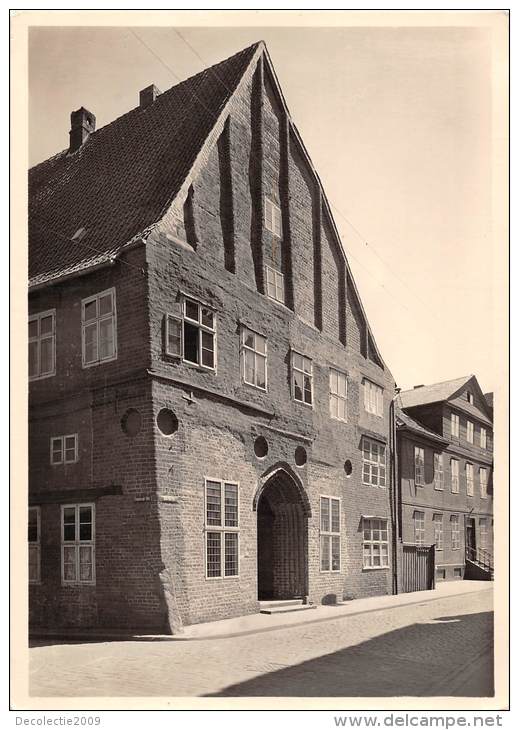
{"x":446,"y":478}
{"x":235,"y":447}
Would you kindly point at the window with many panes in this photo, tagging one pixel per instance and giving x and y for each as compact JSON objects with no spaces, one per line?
{"x":419,"y":466}
{"x":373,"y":462}
{"x":455,"y":532}
{"x":275,"y":282}
{"x":78,"y":543}
{"x":373,"y":398}
{"x":470,"y":432}
{"x":455,"y":425}
{"x":42,"y":345}
{"x":483,"y":483}
{"x":469,"y":476}
{"x":438,"y":471}
{"x":98,"y":326}
{"x":33,"y":538}
{"x":191,"y":334}
{"x":375,"y":545}
{"x":272,"y":217}
{"x":455,"y":476}
{"x":483,"y":533}
{"x":64,"y":449}
{"x":419,"y":527}
{"x":483,"y":437}
{"x":330,"y":543}
{"x":302,"y":378}
{"x":254,"y":358}
{"x":338,"y":395}
{"x":438,"y":531}
{"x":221,"y":529}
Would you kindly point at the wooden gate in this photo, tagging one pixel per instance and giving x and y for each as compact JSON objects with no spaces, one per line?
{"x":417,"y":568}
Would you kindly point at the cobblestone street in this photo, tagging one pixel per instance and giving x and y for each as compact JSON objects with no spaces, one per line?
{"x":437,"y":648}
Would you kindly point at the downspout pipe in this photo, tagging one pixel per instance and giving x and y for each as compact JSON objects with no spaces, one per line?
{"x":393,"y":492}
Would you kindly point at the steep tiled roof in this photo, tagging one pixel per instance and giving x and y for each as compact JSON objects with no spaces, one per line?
{"x":124,"y":176}
{"x":404,"y":421}
{"x":431,"y":393}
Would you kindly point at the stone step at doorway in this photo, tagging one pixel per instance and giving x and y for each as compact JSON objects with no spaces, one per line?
{"x":285,"y":606}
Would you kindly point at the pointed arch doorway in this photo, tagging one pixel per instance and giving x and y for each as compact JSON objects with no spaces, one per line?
{"x":282,"y":530}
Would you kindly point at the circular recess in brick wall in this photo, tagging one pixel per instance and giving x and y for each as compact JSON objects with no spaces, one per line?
{"x":348,"y":467}
{"x":131,"y":422}
{"x":300,"y":456}
{"x":261,"y":447}
{"x":167,"y":422}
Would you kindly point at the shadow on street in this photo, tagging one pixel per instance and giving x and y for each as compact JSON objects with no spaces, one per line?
{"x":440,"y":658}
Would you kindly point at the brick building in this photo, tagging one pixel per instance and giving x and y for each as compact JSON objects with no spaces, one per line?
{"x":445,"y":441}
{"x":209,"y":412}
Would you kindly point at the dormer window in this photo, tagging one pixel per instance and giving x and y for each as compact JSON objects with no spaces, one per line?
{"x":470,"y":398}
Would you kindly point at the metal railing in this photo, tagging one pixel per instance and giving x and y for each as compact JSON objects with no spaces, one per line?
{"x":482,"y":557}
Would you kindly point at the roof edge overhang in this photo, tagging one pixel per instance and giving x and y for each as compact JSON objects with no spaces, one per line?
{"x":405,"y":428}
{"x":110,"y":260}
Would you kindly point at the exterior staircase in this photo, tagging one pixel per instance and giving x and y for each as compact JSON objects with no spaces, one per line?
{"x":479,"y":564}
{"x":285,"y":606}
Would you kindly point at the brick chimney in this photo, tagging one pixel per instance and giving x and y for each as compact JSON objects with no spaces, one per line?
{"x":148,"y":95}
{"x":82,"y":124}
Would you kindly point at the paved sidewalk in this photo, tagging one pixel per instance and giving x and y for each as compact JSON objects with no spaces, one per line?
{"x":259,"y":623}
{"x":436,"y":646}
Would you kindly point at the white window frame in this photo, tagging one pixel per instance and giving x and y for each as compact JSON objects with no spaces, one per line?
{"x":273,"y":216}
{"x":455,"y":425}
{"x":470,"y":430}
{"x":469,"y":469}
{"x":455,"y":476}
{"x":97,"y":321}
{"x":439,"y":477}
{"x":38,"y":340}
{"x":483,"y":483}
{"x":182,"y":318}
{"x":77,"y":544}
{"x":483,"y":437}
{"x":35,"y":546}
{"x":373,"y":464}
{"x":222,"y":529}
{"x":62,"y":451}
{"x":335,"y":395}
{"x":419,"y":527}
{"x":419,"y":466}
{"x":256,"y":355}
{"x":368,"y":526}
{"x":470,"y":397}
{"x":483,"y":533}
{"x":438,"y":530}
{"x":303,"y":372}
{"x":329,"y":533}
{"x":274,"y":284}
{"x":373,"y":398}
{"x":455,"y":533}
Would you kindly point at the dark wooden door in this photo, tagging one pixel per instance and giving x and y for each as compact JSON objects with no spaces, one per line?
{"x":471,"y":534}
{"x":418,"y":565}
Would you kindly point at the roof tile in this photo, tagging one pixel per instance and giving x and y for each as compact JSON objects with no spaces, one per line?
{"x":124,"y":176}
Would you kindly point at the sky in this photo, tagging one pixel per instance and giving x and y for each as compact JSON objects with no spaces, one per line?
{"x":397,"y":122}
